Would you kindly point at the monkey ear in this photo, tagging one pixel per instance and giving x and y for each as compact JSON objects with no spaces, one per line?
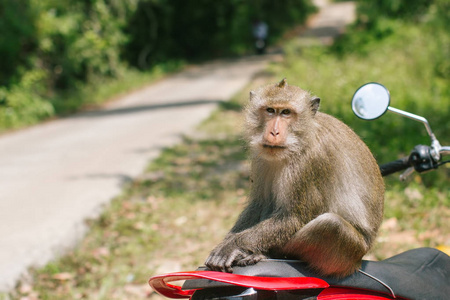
{"x":252,"y":95}
{"x":315,"y":101}
{"x":282,"y":83}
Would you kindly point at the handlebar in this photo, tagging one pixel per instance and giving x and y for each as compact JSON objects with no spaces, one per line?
{"x":420,"y":159}
{"x":445,"y":150}
{"x":395,"y":166}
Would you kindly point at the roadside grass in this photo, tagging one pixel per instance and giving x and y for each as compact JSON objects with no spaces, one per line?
{"x":170,"y":217}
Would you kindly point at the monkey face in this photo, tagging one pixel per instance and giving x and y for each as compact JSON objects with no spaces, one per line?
{"x":272,"y":139}
{"x":279,"y":119}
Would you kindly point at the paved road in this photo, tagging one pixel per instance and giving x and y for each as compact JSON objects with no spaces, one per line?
{"x":54,"y":176}
{"x":330,"y":22}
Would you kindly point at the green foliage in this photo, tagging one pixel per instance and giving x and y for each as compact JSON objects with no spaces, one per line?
{"x":77,"y":46}
{"x":17,"y":37}
{"x":386,"y":20}
{"x":407,"y":9}
{"x":195,"y":29}
{"x":53,"y":48}
{"x":409,"y":57}
{"x":80,"y":40}
{"x":408,"y":72}
{"x":21,"y":104}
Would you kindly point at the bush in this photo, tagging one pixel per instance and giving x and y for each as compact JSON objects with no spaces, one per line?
{"x":80,"y":40}
{"x":17,"y":32}
{"x":21,"y":105}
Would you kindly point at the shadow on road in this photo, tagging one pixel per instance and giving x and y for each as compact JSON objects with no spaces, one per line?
{"x":143,"y":108}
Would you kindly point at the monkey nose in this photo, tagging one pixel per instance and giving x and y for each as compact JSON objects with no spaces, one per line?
{"x":274,"y":132}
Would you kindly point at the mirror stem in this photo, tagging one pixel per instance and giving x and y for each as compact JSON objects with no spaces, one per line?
{"x":434,"y":142}
{"x":414,"y":117}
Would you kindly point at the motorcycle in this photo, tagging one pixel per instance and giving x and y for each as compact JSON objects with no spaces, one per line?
{"x":422,"y":273}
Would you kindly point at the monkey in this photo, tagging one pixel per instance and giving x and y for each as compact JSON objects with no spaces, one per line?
{"x":317,"y":194}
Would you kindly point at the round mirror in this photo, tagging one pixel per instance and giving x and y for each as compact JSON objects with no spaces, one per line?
{"x":370,"y":101}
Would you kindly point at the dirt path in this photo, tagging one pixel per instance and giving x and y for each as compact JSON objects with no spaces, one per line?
{"x":54,"y":176}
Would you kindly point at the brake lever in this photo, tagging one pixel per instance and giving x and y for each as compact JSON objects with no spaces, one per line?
{"x":406,"y":174}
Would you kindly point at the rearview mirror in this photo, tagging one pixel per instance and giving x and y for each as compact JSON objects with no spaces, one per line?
{"x":370,"y":101}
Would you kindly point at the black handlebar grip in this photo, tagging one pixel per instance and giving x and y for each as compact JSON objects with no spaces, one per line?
{"x":395,"y":166}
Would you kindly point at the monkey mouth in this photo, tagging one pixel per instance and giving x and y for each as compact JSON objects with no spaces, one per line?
{"x":273,"y":146}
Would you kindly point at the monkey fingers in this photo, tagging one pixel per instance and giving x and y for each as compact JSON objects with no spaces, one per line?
{"x":214,"y":258}
{"x":235,"y":256}
{"x":223,"y":261}
{"x":251,"y":259}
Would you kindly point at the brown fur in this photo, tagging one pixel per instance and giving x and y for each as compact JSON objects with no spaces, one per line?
{"x":317,"y":192}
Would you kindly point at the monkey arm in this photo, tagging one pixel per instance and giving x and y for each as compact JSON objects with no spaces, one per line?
{"x":272,"y":233}
{"x":252,"y":244}
{"x":248,"y":218}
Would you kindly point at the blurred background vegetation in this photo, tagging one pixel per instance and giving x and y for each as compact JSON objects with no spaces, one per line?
{"x":55,"y":54}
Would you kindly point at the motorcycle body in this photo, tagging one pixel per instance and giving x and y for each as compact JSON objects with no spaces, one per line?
{"x":422,"y":273}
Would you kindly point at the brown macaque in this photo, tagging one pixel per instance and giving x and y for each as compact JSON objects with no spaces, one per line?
{"x":317,"y":193}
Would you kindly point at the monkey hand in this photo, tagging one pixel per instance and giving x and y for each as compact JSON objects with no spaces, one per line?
{"x":229,"y":254}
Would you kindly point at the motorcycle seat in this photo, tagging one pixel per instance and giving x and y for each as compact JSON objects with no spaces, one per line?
{"x":422,"y":273}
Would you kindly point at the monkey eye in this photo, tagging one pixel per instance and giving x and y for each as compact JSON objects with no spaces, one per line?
{"x":286,"y":112}
{"x":270,"y":110}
